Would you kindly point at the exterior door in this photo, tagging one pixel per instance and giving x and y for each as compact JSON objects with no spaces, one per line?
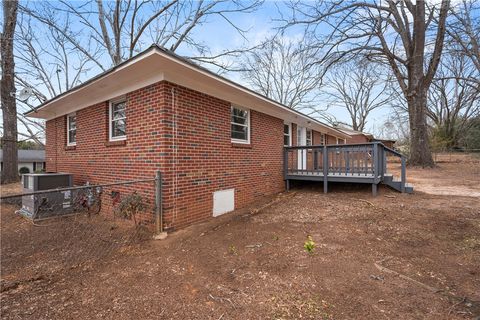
{"x":301,"y":154}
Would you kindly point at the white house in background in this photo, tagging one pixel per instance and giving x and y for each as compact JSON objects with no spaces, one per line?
{"x":32,"y":159}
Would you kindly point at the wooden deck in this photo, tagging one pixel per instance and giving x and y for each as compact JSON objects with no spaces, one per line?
{"x":352,"y":163}
{"x":333,"y":177}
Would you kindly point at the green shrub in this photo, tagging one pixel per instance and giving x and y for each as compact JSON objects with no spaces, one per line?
{"x":24,"y":170}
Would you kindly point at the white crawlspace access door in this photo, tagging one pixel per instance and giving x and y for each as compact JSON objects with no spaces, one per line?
{"x":302,"y":154}
{"x":223,"y":201}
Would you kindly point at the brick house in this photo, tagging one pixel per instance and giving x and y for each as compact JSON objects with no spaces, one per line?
{"x":357,"y":136}
{"x":210,"y":137}
{"x":363,"y":137}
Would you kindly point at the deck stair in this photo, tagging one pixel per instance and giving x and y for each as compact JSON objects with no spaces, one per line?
{"x":352,"y":163}
{"x":392,"y":182}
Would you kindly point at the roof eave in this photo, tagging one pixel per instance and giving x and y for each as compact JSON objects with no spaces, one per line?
{"x":188,"y":64}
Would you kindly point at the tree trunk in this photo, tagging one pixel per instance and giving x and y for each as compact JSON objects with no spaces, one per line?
{"x":420,"y":153}
{"x":7,"y":87}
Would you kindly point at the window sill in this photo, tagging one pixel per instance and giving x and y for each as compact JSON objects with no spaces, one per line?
{"x":70,"y":148}
{"x":116,"y":143}
{"x":242,"y":145}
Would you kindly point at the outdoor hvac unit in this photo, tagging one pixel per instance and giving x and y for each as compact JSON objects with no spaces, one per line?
{"x":43,"y":205}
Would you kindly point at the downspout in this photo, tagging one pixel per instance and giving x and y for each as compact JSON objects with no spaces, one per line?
{"x":56,"y":145}
{"x":175,"y":158}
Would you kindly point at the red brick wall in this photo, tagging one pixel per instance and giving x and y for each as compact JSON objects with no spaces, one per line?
{"x":358,"y":138}
{"x":205,"y":160}
{"x":317,"y":138}
{"x":331,"y":139}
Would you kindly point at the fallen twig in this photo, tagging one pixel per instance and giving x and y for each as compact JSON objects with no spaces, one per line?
{"x":475,"y":305}
{"x":366,"y":201}
{"x":387,"y":270}
{"x":251,"y":246}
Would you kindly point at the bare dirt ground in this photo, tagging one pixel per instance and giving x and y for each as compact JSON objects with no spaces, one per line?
{"x":393,"y":256}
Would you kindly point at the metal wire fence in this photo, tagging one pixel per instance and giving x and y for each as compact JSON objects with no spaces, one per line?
{"x":47,"y":233}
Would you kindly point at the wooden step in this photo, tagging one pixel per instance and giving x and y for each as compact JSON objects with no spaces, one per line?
{"x":397,"y":184}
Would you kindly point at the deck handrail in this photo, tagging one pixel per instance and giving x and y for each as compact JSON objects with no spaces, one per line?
{"x":403,"y":161}
{"x":392,"y":151}
{"x":319,"y":146}
{"x":331,"y":160}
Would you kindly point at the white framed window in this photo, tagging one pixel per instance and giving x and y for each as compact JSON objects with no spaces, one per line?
{"x":240,"y":125}
{"x":309,"y":137}
{"x":117,"y":119}
{"x":287,"y":134}
{"x":72,"y":129}
{"x":39,"y":166}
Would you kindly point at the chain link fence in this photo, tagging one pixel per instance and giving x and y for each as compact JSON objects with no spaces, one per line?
{"x":46,"y":233}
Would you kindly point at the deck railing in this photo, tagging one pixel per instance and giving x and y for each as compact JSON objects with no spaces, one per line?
{"x":365,"y":162}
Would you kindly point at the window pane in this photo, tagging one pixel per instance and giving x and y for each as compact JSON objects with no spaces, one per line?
{"x":239,"y":116}
{"x":239,"y":120}
{"x":118,"y":110}
{"x":286,"y":129}
{"x":72,"y":122}
{"x":239,"y":132}
{"x":118,"y":106}
{"x":239,"y":113}
{"x":309,"y":137}
{"x":118,"y":114}
{"x":72,"y":136}
{"x":119,"y":128}
{"x":286,"y":140}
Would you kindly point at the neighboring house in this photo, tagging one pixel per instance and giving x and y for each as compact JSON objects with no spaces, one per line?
{"x":34,"y":160}
{"x":387,"y":142}
{"x":356,"y":136}
{"x":210,"y":137}
{"x":363,"y":137}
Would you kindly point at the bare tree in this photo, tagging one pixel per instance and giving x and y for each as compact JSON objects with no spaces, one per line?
{"x":464,"y":30}
{"x":122,"y":28}
{"x":48,"y":64}
{"x":408,"y":36}
{"x":395,"y":127}
{"x":60,"y":44}
{"x":285,"y":70}
{"x":359,"y":86}
{"x":455,"y":98}
{"x":7,"y":92}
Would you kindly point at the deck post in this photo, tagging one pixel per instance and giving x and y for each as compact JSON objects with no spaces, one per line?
{"x":384,"y":153}
{"x":285,"y":163}
{"x":325,"y":169}
{"x":374,"y":189}
{"x":287,"y":182}
{"x":403,"y":178}
{"x":375,"y":161}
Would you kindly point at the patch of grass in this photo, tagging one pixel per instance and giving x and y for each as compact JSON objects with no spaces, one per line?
{"x":309,"y":245}
{"x":232,"y":250}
